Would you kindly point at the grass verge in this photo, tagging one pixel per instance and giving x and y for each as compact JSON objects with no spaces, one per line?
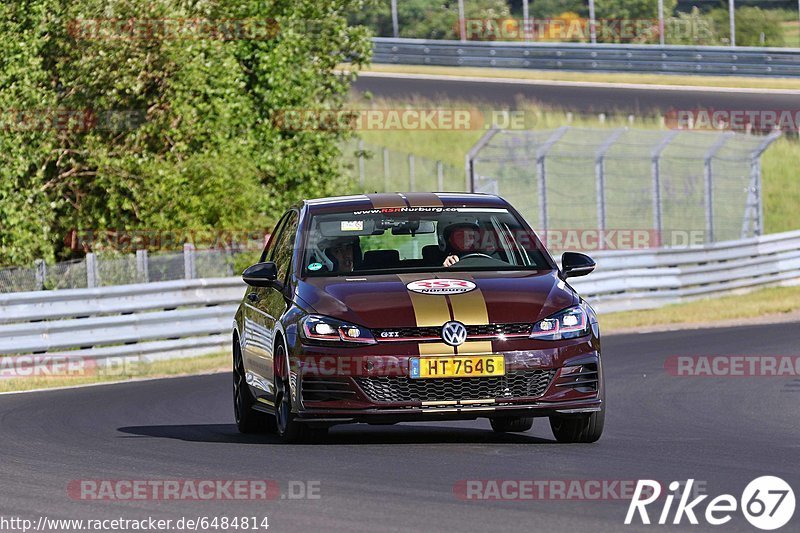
{"x":595,"y":77}
{"x":141,"y":370}
{"x":769,"y":302}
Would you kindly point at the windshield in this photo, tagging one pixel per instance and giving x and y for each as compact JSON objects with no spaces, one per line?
{"x":420,"y":239}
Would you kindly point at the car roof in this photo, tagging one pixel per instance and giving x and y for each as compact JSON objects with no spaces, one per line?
{"x":404,"y":200}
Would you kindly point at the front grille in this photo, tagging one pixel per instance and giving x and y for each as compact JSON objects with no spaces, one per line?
{"x":530,"y":383}
{"x":482,"y":331}
{"x":326,"y":389}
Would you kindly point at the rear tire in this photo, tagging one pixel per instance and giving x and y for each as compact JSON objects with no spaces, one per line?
{"x":583,"y":429}
{"x":512,"y":424}
{"x":247,"y":419}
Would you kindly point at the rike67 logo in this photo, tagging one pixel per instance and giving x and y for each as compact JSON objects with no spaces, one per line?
{"x":767,"y":503}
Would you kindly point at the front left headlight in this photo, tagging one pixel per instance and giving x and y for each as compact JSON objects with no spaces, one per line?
{"x":325,"y":329}
{"x":567,"y":324}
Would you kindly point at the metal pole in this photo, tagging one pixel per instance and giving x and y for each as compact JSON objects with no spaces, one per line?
{"x":411,"y":176}
{"x":732,"y":16}
{"x":658,"y":224}
{"x":361,"y":163}
{"x":526,"y":19}
{"x":541,"y":174}
{"x":385,"y":170}
{"x":469,"y":163}
{"x":91,"y":270}
{"x":440,"y":176}
{"x":142,"y":267}
{"x":395,"y":24}
{"x":462,"y":23}
{"x":41,"y":273}
{"x":709,"y":184}
{"x":189,"y":270}
{"x":600,"y":174}
{"x":661,"y":22}
{"x":592,"y":23}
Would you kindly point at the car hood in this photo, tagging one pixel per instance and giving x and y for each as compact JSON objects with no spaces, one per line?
{"x":383,"y":301}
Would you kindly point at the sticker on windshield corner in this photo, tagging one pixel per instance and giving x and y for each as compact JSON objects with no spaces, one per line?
{"x":315,"y":266}
{"x":352,"y":225}
{"x":441,"y":286}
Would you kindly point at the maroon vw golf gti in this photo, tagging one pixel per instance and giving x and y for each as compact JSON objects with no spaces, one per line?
{"x":384,"y":308}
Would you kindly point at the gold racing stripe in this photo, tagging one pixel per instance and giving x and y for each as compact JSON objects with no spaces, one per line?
{"x":429,"y":310}
{"x":386,"y":200}
{"x":423,"y":199}
{"x":469,"y":308}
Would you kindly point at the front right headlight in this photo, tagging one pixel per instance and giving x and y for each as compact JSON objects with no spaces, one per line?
{"x":567,"y":324}
{"x":325,"y":329}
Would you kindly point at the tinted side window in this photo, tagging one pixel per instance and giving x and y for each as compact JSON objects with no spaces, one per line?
{"x":282,"y":252}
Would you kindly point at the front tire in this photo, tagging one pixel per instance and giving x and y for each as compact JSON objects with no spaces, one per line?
{"x":583,"y":429}
{"x":247,"y":419}
{"x":512,"y":424}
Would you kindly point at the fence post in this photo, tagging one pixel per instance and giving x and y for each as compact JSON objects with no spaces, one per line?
{"x":361,"y":163}
{"x":411,"y":176}
{"x":41,"y":273}
{"x":541,"y":175}
{"x":385,"y":170}
{"x":142,"y":266}
{"x":755,"y":174}
{"x":469,"y":159}
{"x":440,"y":176}
{"x":188,"y":261}
{"x":708,"y":176}
{"x":91,"y":270}
{"x":600,"y":174}
{"x":658,"y":223}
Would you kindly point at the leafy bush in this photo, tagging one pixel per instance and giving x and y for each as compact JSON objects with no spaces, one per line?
{"x":202,"y":150}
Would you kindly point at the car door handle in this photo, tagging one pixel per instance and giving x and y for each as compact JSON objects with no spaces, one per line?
{"x":253,"y":297}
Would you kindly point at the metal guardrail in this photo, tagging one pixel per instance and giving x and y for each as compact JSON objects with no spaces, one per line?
{"x":191,"y":317}
{"x":627,"y":280}
{"x":674,"y":59}
{"x":156,"y":320}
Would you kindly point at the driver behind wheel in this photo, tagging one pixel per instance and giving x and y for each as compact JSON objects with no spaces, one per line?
{"x":462,"y":239}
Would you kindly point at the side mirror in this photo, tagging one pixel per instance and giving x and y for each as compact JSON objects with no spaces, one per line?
{"x":262,"y":275}
{"x":574,"y":264}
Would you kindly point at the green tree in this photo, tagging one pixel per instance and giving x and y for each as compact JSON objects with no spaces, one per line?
{"x":184,"y":134}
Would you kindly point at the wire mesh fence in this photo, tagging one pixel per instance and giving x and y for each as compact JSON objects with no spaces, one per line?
{"x":102,"y":270}
{"x":672,"y":183}
{"x":375,"y":168}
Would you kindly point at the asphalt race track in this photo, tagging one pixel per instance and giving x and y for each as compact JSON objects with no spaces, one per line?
{"x":723,"y":431}
{"x":581,"y":99}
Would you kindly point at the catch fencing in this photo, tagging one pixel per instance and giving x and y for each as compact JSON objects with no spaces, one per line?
{"x":673,"y":182}
{"x":108,"y":269}
{"x":375,"y":168}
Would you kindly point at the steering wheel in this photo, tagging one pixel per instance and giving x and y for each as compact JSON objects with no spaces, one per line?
{"x":476,"y":254}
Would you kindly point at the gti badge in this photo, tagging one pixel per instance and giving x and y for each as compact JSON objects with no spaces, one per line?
{"x":454,"y":333}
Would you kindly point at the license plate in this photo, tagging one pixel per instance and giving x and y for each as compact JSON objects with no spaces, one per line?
{"x":457,"y":367}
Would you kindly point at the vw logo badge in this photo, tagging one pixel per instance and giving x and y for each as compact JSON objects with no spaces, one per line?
{"x":454,"y":333}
